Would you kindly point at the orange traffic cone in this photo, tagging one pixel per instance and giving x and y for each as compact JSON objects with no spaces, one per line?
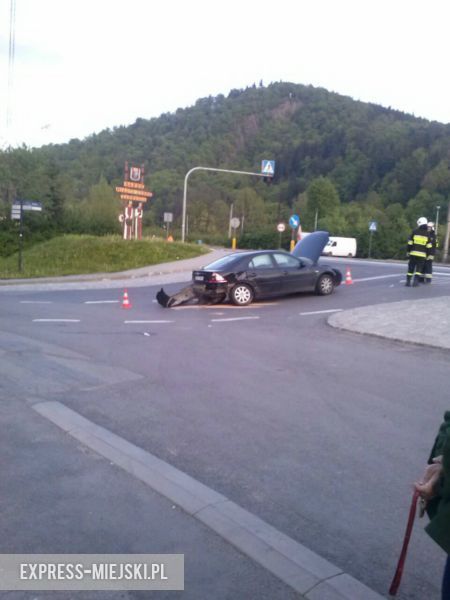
{"x":348,"y":277}
{"x":126,"y":301}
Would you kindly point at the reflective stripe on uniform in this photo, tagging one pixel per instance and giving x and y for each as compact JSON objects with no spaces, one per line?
{"x":422,"y":240}
{"x":418,"y":253}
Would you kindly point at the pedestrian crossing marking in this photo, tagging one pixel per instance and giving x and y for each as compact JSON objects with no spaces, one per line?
{"x":268,"y":167}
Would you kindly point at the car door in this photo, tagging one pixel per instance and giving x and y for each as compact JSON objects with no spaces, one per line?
{"x":264,"y":275}
{"x":296,"y":276}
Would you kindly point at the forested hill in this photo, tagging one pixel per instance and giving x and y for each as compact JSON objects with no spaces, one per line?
{"x":346,"y":159}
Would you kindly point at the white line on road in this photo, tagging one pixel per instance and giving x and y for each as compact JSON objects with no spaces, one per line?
{"x":378,"y":277}
{"x":56,"y":320}
{"x":102,"y":302}
{"x":320,"y":312}
{"x":35,"y":302}
{"x":223,"y":306}
{"x":141,"y":322}
{"x":439,"y":273}
{"x":233,"y":319}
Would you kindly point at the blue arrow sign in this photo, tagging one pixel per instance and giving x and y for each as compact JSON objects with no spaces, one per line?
{"x":372,"y":226}
{"x":294,"y":221}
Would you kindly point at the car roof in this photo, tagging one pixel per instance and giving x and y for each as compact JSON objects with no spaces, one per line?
{"x":245,"y":253}
{"x":310,"y":247}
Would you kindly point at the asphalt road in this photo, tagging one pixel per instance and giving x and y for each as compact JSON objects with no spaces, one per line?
{"x":319,"y":432}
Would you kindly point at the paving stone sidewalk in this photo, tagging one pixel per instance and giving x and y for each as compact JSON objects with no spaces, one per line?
{"x":424,"y":321}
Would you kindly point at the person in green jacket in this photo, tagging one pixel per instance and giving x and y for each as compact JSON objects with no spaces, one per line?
{"x":434,"y":489}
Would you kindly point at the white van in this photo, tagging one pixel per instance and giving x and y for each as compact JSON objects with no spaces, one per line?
{"x":340,"y":246}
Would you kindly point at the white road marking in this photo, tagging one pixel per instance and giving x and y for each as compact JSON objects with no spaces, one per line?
{"x":439,"y":273}
{"x":35,"y":302}
{"x":141,"y":322}
{"x":320,"y":312}
{"x":233,"y":319}
{"x":223,"y":306}
{"x":102,"y":302}
{"x":56,"y":320}
{"x":377,"y":277}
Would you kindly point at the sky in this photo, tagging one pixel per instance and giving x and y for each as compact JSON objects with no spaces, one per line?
{"x":81,"y":66}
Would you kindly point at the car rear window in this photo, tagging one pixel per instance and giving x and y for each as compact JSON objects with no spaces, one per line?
{"x":225,"y":261}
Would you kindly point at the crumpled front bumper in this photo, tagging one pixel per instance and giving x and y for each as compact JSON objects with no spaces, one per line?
{"x":199,"y":294}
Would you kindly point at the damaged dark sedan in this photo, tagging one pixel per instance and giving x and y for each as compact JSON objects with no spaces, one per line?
{"x":242,"y":277}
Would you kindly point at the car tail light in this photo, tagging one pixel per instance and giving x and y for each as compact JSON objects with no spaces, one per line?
{"x":216,"y":278}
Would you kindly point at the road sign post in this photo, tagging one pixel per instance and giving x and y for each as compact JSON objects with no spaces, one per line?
{"x":280,"y":228}
{"x":372,"y":228}
{"x":17,"y":209}
{"x":168,"y":218}
{"x":234,"y":224}
{"x":294,"y":222}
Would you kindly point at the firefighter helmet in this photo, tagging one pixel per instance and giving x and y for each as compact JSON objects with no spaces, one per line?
{"x":422,"y":221}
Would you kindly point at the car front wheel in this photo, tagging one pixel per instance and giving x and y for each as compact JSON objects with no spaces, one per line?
{"x":241,"y":294}
{"x":325,"y":285}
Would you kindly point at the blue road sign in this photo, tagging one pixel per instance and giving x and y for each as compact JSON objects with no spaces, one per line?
{"x":294,"y":221}
{"x":268,"y":168}
{"x":372,"y":226}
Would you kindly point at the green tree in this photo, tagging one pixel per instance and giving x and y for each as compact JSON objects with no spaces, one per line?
{"x":99,"y":212}
{"x":250,"y":208}
{"x":323,"y":200}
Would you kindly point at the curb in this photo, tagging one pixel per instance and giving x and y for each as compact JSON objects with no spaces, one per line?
{"x":294,"y":564}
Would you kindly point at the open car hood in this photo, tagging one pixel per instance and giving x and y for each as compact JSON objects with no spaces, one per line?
{"x":311,"y":246}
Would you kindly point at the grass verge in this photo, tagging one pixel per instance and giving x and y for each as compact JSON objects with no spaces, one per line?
{"x":82,"y":254}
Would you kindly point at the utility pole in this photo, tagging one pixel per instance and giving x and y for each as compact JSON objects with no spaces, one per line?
{"x":447,"y":234}
{"x":21,"y":236}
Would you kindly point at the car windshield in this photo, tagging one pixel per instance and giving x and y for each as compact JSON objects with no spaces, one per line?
{"x":225,"y":261}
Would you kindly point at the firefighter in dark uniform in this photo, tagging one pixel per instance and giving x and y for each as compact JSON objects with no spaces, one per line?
{"x":419,"y":248}
{"x":428,"y":268}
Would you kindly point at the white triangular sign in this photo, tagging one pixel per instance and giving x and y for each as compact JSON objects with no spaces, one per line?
{"x":268,"y":168}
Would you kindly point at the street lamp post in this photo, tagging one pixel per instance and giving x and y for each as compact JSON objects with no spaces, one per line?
{"x":437,"y":218}
{"x":183,"y":219}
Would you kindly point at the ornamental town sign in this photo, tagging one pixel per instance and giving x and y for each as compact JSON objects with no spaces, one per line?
{"x":133,"y":192}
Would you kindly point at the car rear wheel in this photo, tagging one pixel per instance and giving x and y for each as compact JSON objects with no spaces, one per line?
{"x":241,"y":294}
{"x":325,"y":285}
